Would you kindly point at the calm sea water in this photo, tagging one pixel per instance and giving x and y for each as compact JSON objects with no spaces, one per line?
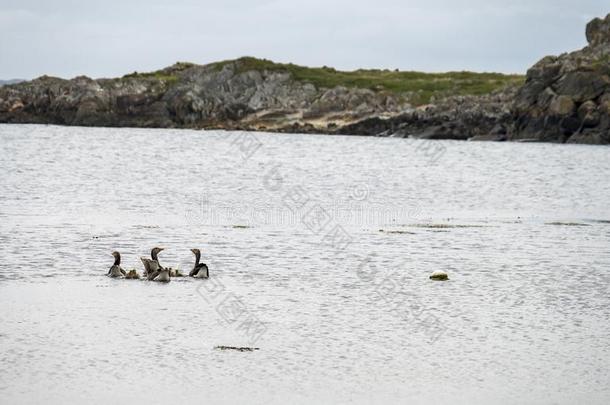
{"x":319,"y":249}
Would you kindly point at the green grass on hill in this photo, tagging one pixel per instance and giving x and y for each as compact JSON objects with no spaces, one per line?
{"x":418,"y":87}
{"x":168,"y":74}
{"x":158,"y":74}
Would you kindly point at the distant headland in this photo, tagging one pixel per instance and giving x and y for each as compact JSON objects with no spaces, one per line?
{"x":11,"y":81}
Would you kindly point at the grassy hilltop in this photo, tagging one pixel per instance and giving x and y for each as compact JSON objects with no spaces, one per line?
{"x":418,"y":87}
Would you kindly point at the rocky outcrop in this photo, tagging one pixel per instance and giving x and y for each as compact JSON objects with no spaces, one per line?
{"x":598,"y":31}
{"x":460,"y":117}
{"x":566,"y":98}
{"x":232,"y":96}
{"x":193,"y":96}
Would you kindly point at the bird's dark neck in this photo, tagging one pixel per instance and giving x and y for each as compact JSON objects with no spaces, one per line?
{"x":153,"y":254}
{"x":117,"y":260}
{"x":197,"y":257}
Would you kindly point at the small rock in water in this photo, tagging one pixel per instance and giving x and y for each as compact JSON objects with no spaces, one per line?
{"x":439,"y":275}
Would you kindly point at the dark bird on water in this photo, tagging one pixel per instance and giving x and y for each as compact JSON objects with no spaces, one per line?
{"x":160,"y":275}
{"x":200,"y":270}
{"x":151,"y":265}
{"x":116,"y":270}
{"x":152,"y":268}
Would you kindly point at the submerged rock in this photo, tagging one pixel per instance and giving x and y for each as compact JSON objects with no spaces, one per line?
{"x":439,"y":275}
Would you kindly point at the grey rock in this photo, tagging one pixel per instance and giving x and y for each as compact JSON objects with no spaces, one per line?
{"x":588,"y":114}
{"x":583,"y":85}
{"x":457,"y":117}
{"x":562,"y":105}
{"x":564,"y":97}
{"x":598,"y":31}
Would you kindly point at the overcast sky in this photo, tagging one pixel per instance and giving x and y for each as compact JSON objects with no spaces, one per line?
{"x":109,"y":38}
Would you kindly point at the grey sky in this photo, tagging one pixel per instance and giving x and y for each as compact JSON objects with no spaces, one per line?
{"x":113,"y":37}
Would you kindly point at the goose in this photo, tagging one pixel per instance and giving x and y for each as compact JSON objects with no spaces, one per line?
{"x":160,"y":275}
{"x":116,"y":270}
{"x":200,"y":270}
{"x":151,"y":266}
{"x":154,"y":270}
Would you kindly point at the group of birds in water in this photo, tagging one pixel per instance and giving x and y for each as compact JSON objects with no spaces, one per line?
{"x":153,"y":271}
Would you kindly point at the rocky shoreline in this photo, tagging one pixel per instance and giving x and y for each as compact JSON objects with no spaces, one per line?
{"x":564,"y":99}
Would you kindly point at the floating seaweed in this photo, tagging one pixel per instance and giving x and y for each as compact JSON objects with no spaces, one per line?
{"x":239,"y":349}
{"x":397,"y":232}
{"x":559,"y":223}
